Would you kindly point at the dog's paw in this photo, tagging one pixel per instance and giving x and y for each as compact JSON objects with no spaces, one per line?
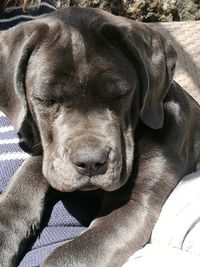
{"x":14,"y":230}
{"x":8,"y":238}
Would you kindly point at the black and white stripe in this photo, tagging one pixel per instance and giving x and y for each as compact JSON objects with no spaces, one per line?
{"x":15,"y":15}
{"x":11,"y":155}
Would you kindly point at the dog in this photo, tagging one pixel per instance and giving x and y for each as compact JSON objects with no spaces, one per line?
{"x":92,"y":98}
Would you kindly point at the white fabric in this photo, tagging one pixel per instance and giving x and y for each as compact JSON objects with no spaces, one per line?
{"x":175,"y":240}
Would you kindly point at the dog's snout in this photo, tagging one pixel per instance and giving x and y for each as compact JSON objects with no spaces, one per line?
{"x":90,"y":161}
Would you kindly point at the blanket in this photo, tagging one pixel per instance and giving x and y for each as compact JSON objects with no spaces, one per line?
{"x":15,"y":15}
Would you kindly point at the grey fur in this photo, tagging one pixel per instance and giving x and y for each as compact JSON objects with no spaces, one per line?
{"x":82,"y":82}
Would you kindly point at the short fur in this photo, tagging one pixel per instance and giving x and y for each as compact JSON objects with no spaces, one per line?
{"x":92,"y":97}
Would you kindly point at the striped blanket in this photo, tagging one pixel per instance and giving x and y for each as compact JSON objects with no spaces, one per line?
{"x":11,"y":156}
{"x":15,"y":15}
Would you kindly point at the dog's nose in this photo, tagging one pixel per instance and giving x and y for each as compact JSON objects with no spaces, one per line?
{"x":90,"y":161}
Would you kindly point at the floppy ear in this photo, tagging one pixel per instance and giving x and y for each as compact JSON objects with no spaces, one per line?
{"x":16,"y":48}
{"x":154,"y":59}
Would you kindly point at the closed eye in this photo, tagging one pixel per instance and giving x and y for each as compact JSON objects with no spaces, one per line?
{"x":119,"y":96}
{"x":116,"y":90}
{"x":53,"y":102}
{"x":47,"y":102}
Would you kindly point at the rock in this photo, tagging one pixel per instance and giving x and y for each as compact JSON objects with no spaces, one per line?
{"x":152,"y":11}
{"x":188,"y":9}
{"x":144,"y":10}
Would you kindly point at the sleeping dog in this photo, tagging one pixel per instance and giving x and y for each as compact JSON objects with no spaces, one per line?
{"x":92,"y":97}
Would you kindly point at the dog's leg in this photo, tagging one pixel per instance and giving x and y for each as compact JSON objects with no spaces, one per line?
{"x":113,"y":238}
{"x":21,"y":209}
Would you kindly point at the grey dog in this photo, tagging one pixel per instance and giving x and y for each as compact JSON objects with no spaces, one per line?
{"x":93,"y":98}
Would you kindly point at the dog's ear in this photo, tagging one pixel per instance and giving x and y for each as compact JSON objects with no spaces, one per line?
{"x":16,"y":48}
{"x":154,"y":59}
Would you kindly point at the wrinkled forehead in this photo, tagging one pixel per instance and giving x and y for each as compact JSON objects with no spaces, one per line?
{"x":74,"y":58}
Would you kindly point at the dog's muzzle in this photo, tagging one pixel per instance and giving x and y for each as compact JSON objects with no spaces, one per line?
{"x":90,"y":161}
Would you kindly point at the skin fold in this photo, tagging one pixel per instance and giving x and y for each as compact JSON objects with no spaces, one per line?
{"x":92,"y":98}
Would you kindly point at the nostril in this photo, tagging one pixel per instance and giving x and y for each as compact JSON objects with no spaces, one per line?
{"x":81,"y":165}
{"x":98,"y":165}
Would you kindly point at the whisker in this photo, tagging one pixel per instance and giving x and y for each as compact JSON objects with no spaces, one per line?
{"x":36,"y":145}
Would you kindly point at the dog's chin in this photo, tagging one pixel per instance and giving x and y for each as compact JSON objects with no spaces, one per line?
{"x":110,"y":185}
{"x":85,"y":183}
{"x":88,"y":187}
{"x":81,"y":186}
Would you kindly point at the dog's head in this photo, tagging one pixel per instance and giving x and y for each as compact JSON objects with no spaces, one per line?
{"x":75,"y":84}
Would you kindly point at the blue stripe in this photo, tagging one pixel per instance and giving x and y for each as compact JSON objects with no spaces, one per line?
{"x":4,"y":121}
{"x":7,"y":169}
{"x":8,"y":135}
{"x":10,"y":148}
